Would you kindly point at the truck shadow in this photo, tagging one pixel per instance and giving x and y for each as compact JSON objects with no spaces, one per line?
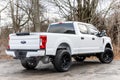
{"x":85,"y":63}
{"x":49,"y":69}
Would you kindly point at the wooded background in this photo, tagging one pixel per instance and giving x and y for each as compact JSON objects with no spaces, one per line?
{"x":29,"y":16}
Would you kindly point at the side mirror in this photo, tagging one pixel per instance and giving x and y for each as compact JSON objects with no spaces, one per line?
{"x":102,"y":33}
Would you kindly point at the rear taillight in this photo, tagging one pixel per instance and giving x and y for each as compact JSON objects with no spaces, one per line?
{"x":43,"y":41}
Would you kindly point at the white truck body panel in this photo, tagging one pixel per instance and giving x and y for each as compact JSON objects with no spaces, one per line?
{"x":32,"y":41}
{"x":77,"y":45}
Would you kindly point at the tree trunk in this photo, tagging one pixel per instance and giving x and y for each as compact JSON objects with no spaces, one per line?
{"x":36,"y":15}
{"x":12,"y":15}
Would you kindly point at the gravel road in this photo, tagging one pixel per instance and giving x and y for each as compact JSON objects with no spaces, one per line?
{"x":88,"y":70}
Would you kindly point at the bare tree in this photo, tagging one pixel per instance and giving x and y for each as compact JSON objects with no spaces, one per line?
{"x":114,"y":22}
{"x":26,"y":12}
{"x":80,"y":10}
{"x":66,"y":8}
{"x":17,"y":15}
{"x":36,"y":14}
{"x":3,"y":10}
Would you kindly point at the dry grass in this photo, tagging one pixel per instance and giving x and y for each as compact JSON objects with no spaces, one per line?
{"x":116,"y":52}
{"x":3,"y":45}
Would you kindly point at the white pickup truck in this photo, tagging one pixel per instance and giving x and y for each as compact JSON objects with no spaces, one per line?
{"x":59,"y":44}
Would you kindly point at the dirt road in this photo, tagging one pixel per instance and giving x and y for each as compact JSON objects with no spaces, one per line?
{"x":89,"y":70}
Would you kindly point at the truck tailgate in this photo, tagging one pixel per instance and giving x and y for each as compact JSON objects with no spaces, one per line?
{"x":29,"y":42}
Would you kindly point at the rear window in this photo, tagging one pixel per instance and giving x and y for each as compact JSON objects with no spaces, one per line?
{"x":67,"y":28}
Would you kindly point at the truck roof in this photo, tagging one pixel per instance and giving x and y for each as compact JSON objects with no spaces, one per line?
{"x":71,"y":22}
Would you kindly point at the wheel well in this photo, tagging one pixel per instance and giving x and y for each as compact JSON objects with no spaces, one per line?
{"x":64,"y":46}
{"x":108,"y":46}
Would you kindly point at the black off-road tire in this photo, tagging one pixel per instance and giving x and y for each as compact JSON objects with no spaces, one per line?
{"x":29,"y":63}
{"x":107,"y":56}
{"x":62,"y":61}
{"x":79,"y":58}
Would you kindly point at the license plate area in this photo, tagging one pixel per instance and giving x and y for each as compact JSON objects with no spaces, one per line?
{"x":20,"y":54}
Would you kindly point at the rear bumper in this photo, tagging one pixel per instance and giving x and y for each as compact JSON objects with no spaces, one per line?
{"x":31,"y":53}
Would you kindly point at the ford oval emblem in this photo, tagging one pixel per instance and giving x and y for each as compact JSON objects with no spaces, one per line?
{"x":23,"y":42}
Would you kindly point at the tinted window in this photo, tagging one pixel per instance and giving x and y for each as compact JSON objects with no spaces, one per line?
{"x":92,"y":30}
{"x":83,"y":29}
{"x":67,"y":28}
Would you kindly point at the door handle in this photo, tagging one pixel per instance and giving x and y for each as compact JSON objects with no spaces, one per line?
{"x":82,"y":38}
{"x":93,"y":38}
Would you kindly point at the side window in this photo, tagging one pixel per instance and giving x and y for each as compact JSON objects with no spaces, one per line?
{"x":83,"y":29}
{"x":92,"y":30}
